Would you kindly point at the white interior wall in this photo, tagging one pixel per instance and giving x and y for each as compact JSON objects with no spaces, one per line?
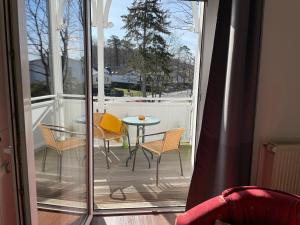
{"x":278,"y":99}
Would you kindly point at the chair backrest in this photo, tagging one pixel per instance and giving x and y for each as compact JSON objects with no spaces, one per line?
{"x":172,"y":139}
{"x":97,"y":118}
{"x":111,"y":123}
{"x":47,"y":136}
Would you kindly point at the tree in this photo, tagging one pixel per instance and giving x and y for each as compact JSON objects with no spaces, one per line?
{"x":146,"y":24}
{"x":160,"y":68}
{"x":182,"y":14}
{"x":114,"y":43}
{"x":38,"y":37}
{"x":127,"y":49}
{"x":184,"y":58}
{"x":117,"y":53}
{"x":95,"y":54}
{"x":187,"y":61}
{"x":70,"y":33}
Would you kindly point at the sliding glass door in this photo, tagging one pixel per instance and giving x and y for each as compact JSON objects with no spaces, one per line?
{"x":57,"y":76}
{"x":59,"y":80}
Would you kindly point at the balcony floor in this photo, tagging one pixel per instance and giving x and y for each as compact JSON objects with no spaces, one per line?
{"x":117,"y":187}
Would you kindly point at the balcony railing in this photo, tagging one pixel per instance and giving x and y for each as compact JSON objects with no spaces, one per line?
{"x":172,"y":112}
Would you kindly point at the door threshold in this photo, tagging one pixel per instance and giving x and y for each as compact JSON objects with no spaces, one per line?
{"x":150,"y":210}
{"x":61,"y":209}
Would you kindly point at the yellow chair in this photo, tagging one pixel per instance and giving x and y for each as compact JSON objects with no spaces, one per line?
{"x":105,"y":128}
{"x":170,"y":142}
{"x":60,"y":146}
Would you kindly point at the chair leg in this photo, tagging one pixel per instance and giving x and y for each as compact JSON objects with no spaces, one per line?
{"x":58,"y":162}
{"x":157,"y":163}
{"x":129,"y":146}
{"x":106,"y":154}
{"x":77,"y":155}
{"x":44,"y":159}
{"x":60,"y":165}
{"x":160,"y":158}
{"x":129,"y":157}
{"x":180,"y":163}
{"x":146,"y":157}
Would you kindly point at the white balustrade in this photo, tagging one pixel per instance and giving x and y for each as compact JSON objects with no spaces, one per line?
{"x":172,"y":112}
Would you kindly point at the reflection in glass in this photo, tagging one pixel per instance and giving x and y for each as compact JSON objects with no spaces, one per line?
{"x":38,"y":47}
{"x":55,"y":38}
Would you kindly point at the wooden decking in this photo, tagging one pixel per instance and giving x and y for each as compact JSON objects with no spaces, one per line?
{"x":117,"y":187}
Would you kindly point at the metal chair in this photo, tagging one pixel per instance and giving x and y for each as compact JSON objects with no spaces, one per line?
{"x":60,"y":146}
{"x":170,"y":142}
{"x":107,"y":136}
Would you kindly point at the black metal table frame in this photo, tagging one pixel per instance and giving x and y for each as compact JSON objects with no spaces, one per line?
{"x":139,"y":127}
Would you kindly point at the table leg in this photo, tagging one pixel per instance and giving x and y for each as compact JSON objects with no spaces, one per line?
{"x":133,"y":165}
{"x":129,"y":157}
{"x":128,"y":140}
{"x":132,"y":152}
{"x":143,"y":132}
{"x":143,"y":141}
{"x":136,"y":147}
{"x":138,"y":131}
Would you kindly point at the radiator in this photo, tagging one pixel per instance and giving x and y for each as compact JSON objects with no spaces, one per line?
{"x":279,"y":167}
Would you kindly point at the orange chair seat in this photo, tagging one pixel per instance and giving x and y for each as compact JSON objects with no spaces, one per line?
{"x":153,"y":146}
{"x":107,"y":135}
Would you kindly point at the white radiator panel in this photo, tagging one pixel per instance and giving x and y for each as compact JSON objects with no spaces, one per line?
{"x":279,"y":167}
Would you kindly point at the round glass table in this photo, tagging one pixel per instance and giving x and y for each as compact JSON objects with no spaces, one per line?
{"x":140,"y":127}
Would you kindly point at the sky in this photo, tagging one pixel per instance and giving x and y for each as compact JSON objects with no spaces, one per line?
{"x":119,"y":8}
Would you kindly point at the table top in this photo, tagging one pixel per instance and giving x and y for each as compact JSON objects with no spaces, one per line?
{"x":134,"y":120}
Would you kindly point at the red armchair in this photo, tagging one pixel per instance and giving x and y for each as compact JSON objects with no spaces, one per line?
{"x":246,"y":206}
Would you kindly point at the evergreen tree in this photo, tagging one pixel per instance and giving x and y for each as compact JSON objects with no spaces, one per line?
{"x":115,"y":43}
{"x":184,"y":58}
{"x":147,"y":24}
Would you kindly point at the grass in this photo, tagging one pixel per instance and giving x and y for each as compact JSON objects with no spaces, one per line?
{"x":132,"y":93}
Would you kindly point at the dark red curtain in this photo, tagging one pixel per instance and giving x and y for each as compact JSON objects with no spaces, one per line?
{"x":224,"y":151}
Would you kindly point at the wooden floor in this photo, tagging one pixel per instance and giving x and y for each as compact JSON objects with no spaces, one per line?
{"x":53,"y":218}
{"x":117,"y":187}
{"x":159,"y":219}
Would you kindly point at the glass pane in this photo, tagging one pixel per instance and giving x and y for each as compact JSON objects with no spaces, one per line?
{"x":55,"y":38}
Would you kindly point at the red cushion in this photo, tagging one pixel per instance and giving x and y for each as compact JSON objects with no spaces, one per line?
{"x":246,"y":206}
